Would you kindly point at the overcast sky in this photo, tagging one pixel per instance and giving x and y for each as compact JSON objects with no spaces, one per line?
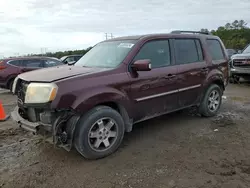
{"x":26,"y":26}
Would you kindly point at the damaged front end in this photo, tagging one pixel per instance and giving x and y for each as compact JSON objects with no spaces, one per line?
{"x":56,"y":125}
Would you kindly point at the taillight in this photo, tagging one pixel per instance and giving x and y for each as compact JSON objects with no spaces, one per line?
{"x":2,"y":65}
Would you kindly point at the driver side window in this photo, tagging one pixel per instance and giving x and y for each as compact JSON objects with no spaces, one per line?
{"x":157,"y":51}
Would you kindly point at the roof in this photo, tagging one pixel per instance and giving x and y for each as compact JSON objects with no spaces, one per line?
{"x":175,"y":33}
{"x":29,"y":57}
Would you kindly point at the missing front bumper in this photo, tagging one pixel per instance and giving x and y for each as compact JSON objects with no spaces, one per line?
{"x":61,"y":132}
{"x":27,"y":125}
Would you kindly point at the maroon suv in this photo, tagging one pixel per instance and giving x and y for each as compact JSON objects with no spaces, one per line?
{"x":11,"y":67}
{"x":118,"y":83}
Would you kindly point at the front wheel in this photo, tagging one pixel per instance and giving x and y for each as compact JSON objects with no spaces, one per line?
{"x":99,"y":133}
{"x":211,"y":102}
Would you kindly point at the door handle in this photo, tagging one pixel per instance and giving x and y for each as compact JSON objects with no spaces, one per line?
{"x":170,"y":76}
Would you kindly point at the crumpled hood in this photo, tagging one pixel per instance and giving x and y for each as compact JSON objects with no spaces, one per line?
{"x":57,"y":73}
{"x":241,"y":56}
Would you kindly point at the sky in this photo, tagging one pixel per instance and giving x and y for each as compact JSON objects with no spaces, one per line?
{"x":35,"y":26}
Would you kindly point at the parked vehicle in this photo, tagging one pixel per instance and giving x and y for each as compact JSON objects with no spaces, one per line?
{"x":118,"y":83}
{"x":70,"y":59}
{"x":231,"y":52}
{"x":11,"y":67}
{"x":240,"y":65}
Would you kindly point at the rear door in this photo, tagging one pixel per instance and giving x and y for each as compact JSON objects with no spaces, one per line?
{"x":192,"y":70}
{"x":219,"y":57}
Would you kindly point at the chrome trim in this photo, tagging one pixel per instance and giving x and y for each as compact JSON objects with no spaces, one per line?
{"x":157,"y":95}
{"x":167,"y":93}
{"x":191,"y":87}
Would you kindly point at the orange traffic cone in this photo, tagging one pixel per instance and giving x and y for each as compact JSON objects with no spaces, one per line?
{"x":3,"y":116}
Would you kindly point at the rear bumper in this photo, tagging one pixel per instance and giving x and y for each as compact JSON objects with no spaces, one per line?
{"x":27,"y":125}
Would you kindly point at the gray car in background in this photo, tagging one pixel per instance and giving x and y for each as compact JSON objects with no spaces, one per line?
{"x":240,"y":65}
{"x":70,"y":58}
{"x":231,"y":52}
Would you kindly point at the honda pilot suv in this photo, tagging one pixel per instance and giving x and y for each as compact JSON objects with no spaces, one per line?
{"x":118,"y":83}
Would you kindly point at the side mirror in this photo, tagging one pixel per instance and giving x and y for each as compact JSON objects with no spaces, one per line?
{"x":141,"y":65}
{"x":239,"y":51}
{"x":71,"y":62}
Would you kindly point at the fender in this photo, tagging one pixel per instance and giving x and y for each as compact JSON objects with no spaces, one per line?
{"x":88,"y":100}
{"x":214,"y":76}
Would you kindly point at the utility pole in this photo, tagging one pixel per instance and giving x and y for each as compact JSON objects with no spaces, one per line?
{"x":109,"y":35}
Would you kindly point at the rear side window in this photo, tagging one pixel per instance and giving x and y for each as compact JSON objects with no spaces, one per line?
{"x":157,"y":51}
{"x":15,"y":63}
{"x":187,"y":51}
{"x":33,"y":63}
{"x":215,"y":49}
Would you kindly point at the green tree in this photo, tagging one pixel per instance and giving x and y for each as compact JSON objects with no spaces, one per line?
{"x":234,"y":35}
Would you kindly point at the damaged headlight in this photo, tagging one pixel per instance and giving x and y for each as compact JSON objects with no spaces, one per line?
{"x":40,"y":92}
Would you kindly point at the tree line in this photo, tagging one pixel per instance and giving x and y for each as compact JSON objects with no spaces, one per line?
{"x":235,"y":35}
{"x":63,"y":53}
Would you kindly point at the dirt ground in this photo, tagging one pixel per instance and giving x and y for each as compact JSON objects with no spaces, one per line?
{"x":177,"y":150}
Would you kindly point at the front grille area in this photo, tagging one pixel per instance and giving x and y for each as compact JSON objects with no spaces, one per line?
{"x":21,"y":91}
{"x":242,"y":63}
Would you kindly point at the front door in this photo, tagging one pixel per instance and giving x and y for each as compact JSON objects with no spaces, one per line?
{"x":154,"y":92}
{"x":31,"y":64}
{"x":192,"y":70}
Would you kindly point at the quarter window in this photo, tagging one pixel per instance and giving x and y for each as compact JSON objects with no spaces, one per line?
{"x":215,"y":49}
{"x":157,"y":51}
{"x":15,"y":63}
{"x":188,"y":51}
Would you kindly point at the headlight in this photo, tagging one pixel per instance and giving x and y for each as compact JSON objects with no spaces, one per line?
{"x":40,"y":92}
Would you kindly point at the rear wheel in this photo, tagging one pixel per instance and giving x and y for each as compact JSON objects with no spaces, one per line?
{"x":211,"y":102}
{"x":99,"y":133}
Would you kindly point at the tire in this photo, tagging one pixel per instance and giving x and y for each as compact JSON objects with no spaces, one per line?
{"x":205,"y":108}
{"x":90,"y":126}
{"x":236,"y":79}
{"x":231,"y":80}
{"x":10,"y":84}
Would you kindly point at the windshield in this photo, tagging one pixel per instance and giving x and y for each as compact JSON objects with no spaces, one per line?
{"x":63,"y":58}
{"x":106,"y":54}
{"x":247,"y":49}
{"x":230,"y":51}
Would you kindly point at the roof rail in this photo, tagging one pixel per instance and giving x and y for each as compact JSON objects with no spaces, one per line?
{"x":194,"y":32}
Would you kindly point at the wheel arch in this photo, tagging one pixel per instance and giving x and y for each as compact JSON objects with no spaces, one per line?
{"x":121,"y":110}
{"x":11,"y":78}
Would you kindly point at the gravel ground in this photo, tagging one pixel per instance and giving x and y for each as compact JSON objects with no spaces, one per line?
{"x":177,"y":150}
